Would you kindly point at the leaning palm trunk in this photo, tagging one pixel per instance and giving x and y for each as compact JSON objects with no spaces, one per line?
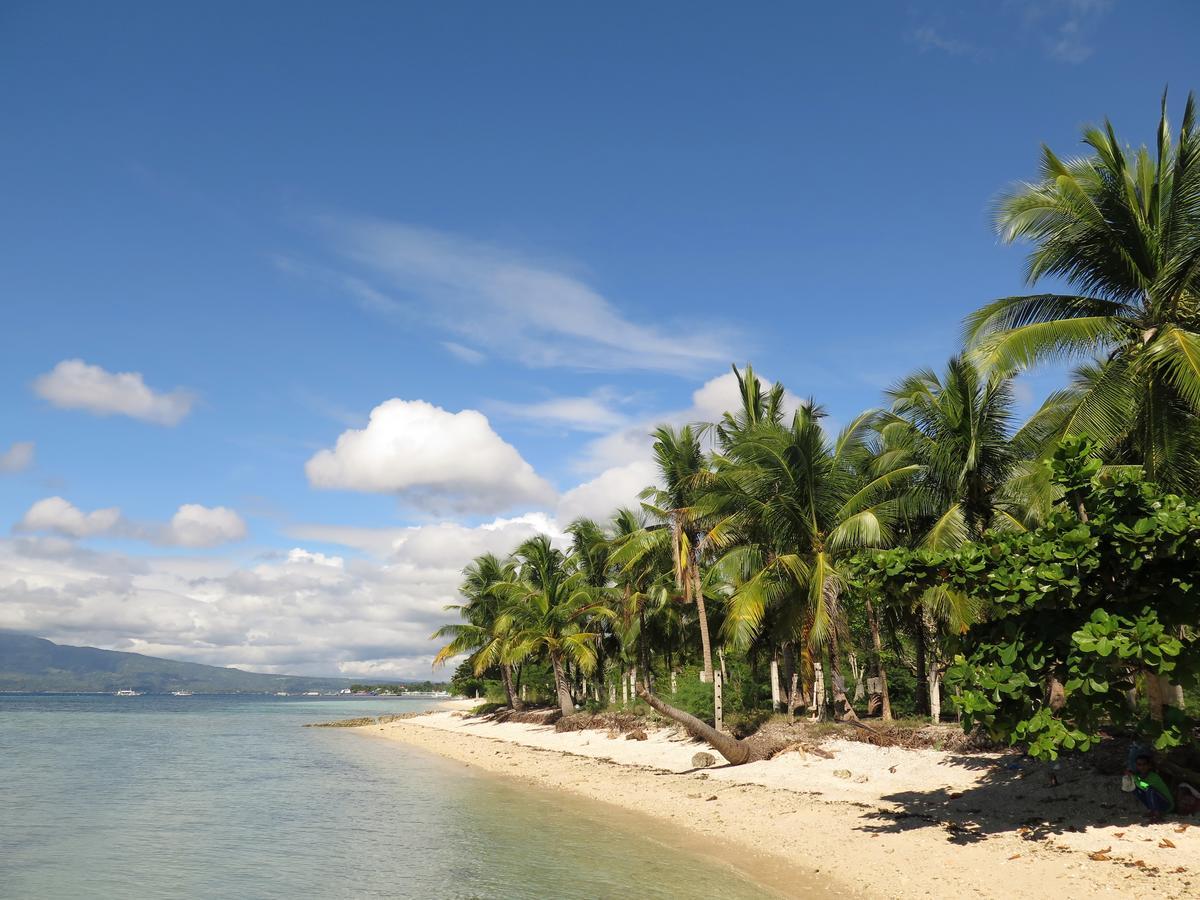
{"x":565,"y":703}
{"x":735,"y":751}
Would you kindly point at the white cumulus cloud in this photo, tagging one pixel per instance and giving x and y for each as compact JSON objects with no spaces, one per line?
{"x":192,"y":525}
{"x":430,"y":458}
{"x":59,"y":516}
{"x":18,"y":457}
{"x":74,"y":384}
{"x":613,"y":488}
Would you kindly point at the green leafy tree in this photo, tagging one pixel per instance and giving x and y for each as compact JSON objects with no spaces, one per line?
{"x":1080,"y":610}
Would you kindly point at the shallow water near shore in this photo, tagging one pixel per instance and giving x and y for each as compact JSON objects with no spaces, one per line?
{"x":224,"y":796}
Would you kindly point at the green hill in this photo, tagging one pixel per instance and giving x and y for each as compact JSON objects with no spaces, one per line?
{"x":33,"y":664}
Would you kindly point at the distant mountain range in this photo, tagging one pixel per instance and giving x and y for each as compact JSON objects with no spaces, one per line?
{"x":34,"y":664}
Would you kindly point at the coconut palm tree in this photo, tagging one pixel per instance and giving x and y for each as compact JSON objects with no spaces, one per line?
{"x":1122,"y":227}
{"x":549,"y":607}
{"x":759,"y":406}
{"x":479,"y":635}
{"x":683,"y":468}
{"x":975,"y":471}
{"x":790,"y":506}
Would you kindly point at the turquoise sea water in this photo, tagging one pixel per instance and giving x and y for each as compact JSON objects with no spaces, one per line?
{"x":226,"y":796}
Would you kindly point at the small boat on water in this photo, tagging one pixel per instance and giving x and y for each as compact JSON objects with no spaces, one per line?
{"x":128,"y":693}
{"x":281,"y":694}
{"x":181,"y":693}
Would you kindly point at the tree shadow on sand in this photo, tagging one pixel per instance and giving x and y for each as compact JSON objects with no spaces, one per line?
{"x":1016,"y":796}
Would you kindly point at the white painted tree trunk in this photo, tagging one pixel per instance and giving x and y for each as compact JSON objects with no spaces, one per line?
{"x":674,"y":682}
{"x":612,"y":693}
{"x":935,"y":695}
{"x":817,"y":704}
{"x":523,"y":687}
{"x":719,"y":700}
{"x":624,"y":689}
{"x":860,"y":689}
{"x":1172,"y":694}
{"x":633,"y":681}
{"x":775,"y":692}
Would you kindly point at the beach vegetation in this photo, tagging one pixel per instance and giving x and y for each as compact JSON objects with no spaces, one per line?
{"x":1037,"y":580}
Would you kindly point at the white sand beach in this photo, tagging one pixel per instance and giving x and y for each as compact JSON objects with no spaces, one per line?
{"x":871,"y":821}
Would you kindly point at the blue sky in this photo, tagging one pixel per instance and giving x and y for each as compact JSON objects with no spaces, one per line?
{"x":568,"y":218}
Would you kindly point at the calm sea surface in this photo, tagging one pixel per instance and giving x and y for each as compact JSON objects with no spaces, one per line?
{"x":227,"y":796}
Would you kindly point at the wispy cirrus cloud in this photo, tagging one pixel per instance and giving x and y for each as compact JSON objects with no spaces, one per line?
{"x":17,"y":457}
{"x":595,"y":412}
{"x":928,"y":38}
{"x":1068,"y":27}
{"x":463,"y":353}
{"x":495,"y":300}
{"x":1065,"y":31}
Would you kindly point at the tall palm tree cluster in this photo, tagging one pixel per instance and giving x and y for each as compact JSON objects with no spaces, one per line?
{"x":743,"y":547}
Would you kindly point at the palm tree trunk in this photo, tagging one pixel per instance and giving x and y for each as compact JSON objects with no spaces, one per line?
{"x":565,"y":703}
{"x":934,"y":673}
{"x":506,"y":675}
{"x":698,"y":596}
{"x":788,"y":662}
{"x":1154,"y":695}
{"x":880,"y":672}
{"x":776,"y":694}
{"x":843,"y":708}
{"x":735,"y":751}
{"x":922,"y":674}
{"x":643,"y":651}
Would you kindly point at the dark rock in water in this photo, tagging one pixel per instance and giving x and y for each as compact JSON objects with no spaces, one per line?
{"x":344,"y":723}
{"x":364,"y":720}
{"x":636,"y":735}
{"x":703,"y":760}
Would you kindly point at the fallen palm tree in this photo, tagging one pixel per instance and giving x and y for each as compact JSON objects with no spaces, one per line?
{"x":735,"y":750}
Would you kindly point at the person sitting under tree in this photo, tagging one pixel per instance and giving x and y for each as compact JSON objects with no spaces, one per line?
{"x":1149,"y":787}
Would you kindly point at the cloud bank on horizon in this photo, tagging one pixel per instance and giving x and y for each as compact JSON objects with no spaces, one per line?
{"x":77,"y":575}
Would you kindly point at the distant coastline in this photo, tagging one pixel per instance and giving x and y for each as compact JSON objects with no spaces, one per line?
{"x":854,"y":825}
{"x":34,"y":665}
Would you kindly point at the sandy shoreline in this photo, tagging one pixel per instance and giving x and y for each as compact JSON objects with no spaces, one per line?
{"x":904,"y":823}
